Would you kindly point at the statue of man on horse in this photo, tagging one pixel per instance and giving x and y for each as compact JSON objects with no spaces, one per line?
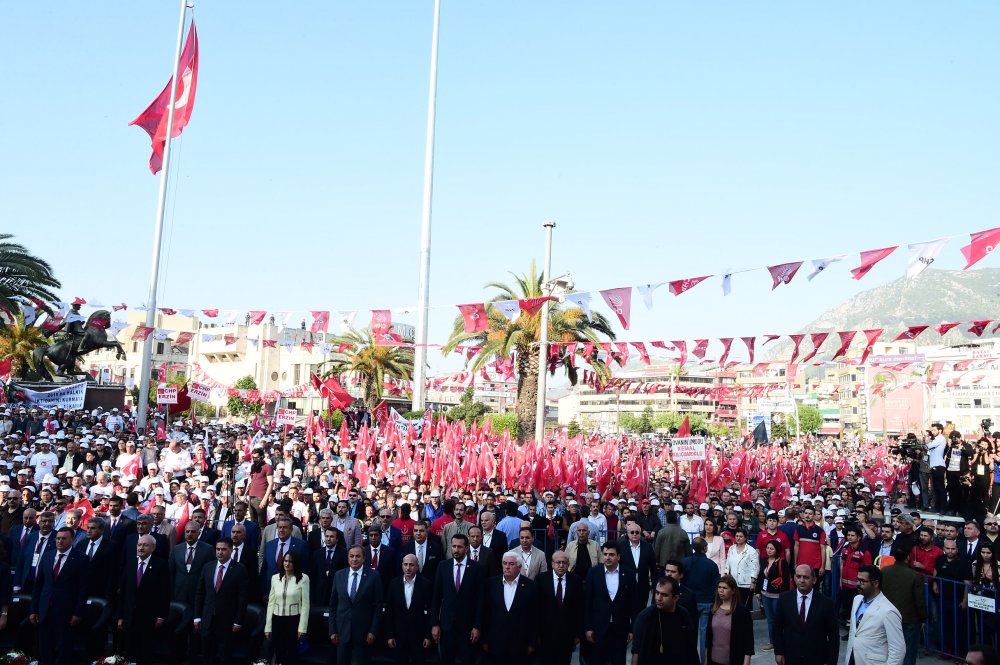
{"x":77,"y":339}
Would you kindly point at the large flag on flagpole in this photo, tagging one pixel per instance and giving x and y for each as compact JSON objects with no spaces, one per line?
{"x":154,"y":118}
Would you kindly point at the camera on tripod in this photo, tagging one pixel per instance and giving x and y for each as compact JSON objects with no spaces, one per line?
{"x":225,"y":457}
{"x":986,"y":425}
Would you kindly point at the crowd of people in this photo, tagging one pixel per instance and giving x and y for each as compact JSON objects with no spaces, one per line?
{"x":231,"y":538}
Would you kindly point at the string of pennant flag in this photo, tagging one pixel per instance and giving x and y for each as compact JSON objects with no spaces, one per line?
{"x":618,"y":299}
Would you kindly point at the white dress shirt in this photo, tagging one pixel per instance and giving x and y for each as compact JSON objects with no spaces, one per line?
{"x":509,"y":589}
{"x":611,"y":579}
{"x":798,"y":601}
{"x":408,"y":590}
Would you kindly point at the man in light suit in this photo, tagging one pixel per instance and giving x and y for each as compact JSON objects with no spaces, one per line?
{"x":532,"y":559}
{"x":583,"y":552}
{"x":349,"y":526}
{"x":876,"y":627}
{"x":460,"y":525}
{"x":355,"y":609}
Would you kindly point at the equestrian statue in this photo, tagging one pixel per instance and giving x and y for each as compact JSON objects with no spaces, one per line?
{"x":77,"y":339}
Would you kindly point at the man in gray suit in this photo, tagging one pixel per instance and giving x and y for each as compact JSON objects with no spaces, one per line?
{"x":355,"y":609}
{"x":532,"y":559}
{"x":349,"y":526}
{"x":186,"y":562}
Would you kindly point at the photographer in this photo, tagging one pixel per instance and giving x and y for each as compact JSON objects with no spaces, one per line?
{"x":956,"y":460}
{"x":936,"y":449}
{"x":981,"y":470}
{"x":915,"y":451}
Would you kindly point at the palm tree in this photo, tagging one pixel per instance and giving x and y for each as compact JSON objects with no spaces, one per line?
{"x":521,"y":338}
{"x":17,"y":342}
{"x":373,"y":363}
{"x":22,"y":276}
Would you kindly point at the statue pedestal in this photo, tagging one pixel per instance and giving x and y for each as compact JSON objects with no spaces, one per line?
{"x":107,"y":396}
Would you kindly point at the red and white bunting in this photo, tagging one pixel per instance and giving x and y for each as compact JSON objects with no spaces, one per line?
{"x":620,"y":302}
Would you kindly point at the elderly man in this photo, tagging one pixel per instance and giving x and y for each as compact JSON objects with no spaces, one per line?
{"x":583,"y":553}
{"x":560,"y":600}
{"x":512,"y":614}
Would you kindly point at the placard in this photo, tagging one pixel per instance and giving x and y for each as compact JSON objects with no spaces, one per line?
{"x":199,"y":391}
{"x":284,"y":416}
{"x":688,"y":449}
{"x":166,"y":395}
{"x":984,"y":603}
{"x":69,"y":397}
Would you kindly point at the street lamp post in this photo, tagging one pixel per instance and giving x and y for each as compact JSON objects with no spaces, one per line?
{"x":543,"y":344}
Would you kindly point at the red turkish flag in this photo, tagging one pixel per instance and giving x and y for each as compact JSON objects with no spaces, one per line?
{"x":980,"y":244}
{"x":641,"y":348}
{"x":475,"y":317}
{"x":141,"y":333}
{"x":727,"y":342}
{"x":269,"y":343}
{"x":168,"y":311}
{"x":942,"y":328}
{"x":685,"y":428}
{"x":530,"y":306}
{"x":308,"y":346}
{"x":321,"y":321}
{"x":783,"y":274}
{"x":183,"y":338}
{"x":120,"y":307}
{"x":797,"y":339}
{"x":679,"y":286}
{"x":154,"y":119}
{"x":872,"y":336}
{"x":79,"y":301}
{"x":210,"y":313}
{"x":846,"y":338}
{"x":700,"y":348}
{"x":620,"y":302}
{"x":979,"y":326}
{"x":5,"y":368}
{"x":257,"y":316}
{"x":869,"y":258}
{"x":339,"y":398}
{"x":910,"y":333}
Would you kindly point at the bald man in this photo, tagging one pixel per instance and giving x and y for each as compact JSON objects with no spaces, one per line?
{"x":407,"y":614}
{"x":143,"y":601}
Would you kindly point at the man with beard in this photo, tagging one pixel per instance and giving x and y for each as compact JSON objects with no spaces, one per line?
{"x":665,"y":630}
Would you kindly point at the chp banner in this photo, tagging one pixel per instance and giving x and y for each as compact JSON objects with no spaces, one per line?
{"x":284,"y":416}
{"x":688,"y":449}
{"x":199,"y":391}
{"x":69,"y":397}
{"x":166,"y":395}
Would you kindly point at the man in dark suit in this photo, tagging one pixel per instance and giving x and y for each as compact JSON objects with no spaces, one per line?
{"x":407,"y":614}
{"x":424,"y":548}
{"x":246,"y":556}
{"x":481,"y":554}
{"x":118,"y":526}
{"x":355,"y":609}
{"x":316,"y":537}
{"x":143,"y":600}
{"x":240,"y":516}
{"x":144,"y":526}
{"x":511,"y":627}
{"x":380,"y":557}
{"x":457,"y":608}
{"x":20,"y":534}
{"x":639,"y":560}
{"x":493,"y":539}
{"x":58,"y":599}
{"x":805,"y":625}
{"x":35,"y":547}
{"x":325,"y":564}
{"x":207,"y":534}
{"x":220,"y":601}
{"x":609,"y":607}
{"x":186,"y":561}
{"x":275,"y":551}
{"x":103,"y":560}
{"x":563,"y":612}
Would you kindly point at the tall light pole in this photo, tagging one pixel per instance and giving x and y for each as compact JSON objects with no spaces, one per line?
{"x":161,"y":203}
{"x":543,"y":344}
{"x":423,"y":288}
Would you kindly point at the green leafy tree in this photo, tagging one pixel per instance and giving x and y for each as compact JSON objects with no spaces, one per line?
{"x":17,"y":342}
{"x":641,"y":424}
{"x":468,"y":409}
{"x":573,"y":428}
{"x":334,"y":420}
{"x":672,"y":421}
{"x":521,"y":338}
{"x":783,"y":425}
{"x":501,"y":422}
{"x":240,"y":408}
{"x":373,"y":363}
{"x":23,"y":276}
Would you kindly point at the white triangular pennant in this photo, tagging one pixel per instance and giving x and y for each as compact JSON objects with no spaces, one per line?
{"x":346,"y":319}
{"x":646,"y":290}
{"x":581,"y":300}
{"x":509,"y":308}
{"x":727,"y":283}
{"x":923,"y":254}
{"x":819,"y":265}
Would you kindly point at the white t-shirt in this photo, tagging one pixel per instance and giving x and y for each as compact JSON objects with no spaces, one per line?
{"x":44,"y":463}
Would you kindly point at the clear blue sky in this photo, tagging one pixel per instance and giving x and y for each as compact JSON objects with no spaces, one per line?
{"x":666,"y":139}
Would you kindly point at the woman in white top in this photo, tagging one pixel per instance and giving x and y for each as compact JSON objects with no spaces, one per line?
{"x":716,"y":545}
{"x":288,"y":610}
{"x":743,"y":564}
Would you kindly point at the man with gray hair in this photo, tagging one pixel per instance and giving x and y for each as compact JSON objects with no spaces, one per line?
{"x":98,"y":548}
{"x":512,"y":614}
{"x":143,"y":600}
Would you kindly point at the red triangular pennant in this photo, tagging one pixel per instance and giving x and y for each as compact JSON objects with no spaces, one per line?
{"x":783,"y":273}
{"x":679,"y":286}
{"x":869,"y":258}
{"x":620,"y":302}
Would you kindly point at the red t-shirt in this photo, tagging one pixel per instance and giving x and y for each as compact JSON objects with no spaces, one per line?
{"x":438,"y":525}
{"x":928,"y":558}
{"x":405,"y":528}
{"x":809,"y":542}
{"x":258,"y":481}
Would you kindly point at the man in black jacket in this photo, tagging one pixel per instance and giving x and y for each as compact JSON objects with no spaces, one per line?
{"x":805,"y":627}
{"x":407,"y":614}
{"x":511,"y":615}
{"x":219,"y":605}
{"x":143,"y":600}
{"x":609,"y":607}
{"x":560,"y":601}
{"x":665,"y":631}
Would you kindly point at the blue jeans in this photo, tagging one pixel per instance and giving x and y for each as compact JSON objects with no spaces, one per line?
{"x":770,"y":611}
{"x":911,"y":635}
{"x":704,"y":611}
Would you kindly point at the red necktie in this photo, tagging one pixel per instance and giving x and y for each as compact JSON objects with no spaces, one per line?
{"x":218,"y":578}
{"x":802,"y":611}
{"x":55,"y":571}
{"x":559,"y":593}
{"x":375,"y":558}
{"x":552,"y":528}
{"x":281,"y":554}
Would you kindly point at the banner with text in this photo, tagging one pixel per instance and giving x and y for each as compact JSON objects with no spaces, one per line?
{"x":70,"y":397}
{"x":688,"y":449}
{"x":284,"y":416}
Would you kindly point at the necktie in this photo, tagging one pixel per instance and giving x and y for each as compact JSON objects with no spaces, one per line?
{"x":354,"y":585}
{"x":236,"y":553}
{"x":375,"y":557}
{"x":329,"y":556}
{"x":55,"y":571}
{"x":190,"y":556}
{"x":458,"y":577}
{"x":420,"y":557}
{"x":281,"y":553}
{"x":114,"y":521}
{"x":138,"y":573}
{"x":970,"y":549}
{"x":218,"y":578}
{"x":90,"y":551}
{"x":475,"y":555}
{"x":802,"y":611}
{"x":41,"y":545}
{"x":24,"y":533}
{"x":551,"y":531}
{"x":559,"y":593}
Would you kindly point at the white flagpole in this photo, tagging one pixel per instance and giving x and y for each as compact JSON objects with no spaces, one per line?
{"x":154,"y":270}
{"x":423,"y":288}
{"x":543,"y":345}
